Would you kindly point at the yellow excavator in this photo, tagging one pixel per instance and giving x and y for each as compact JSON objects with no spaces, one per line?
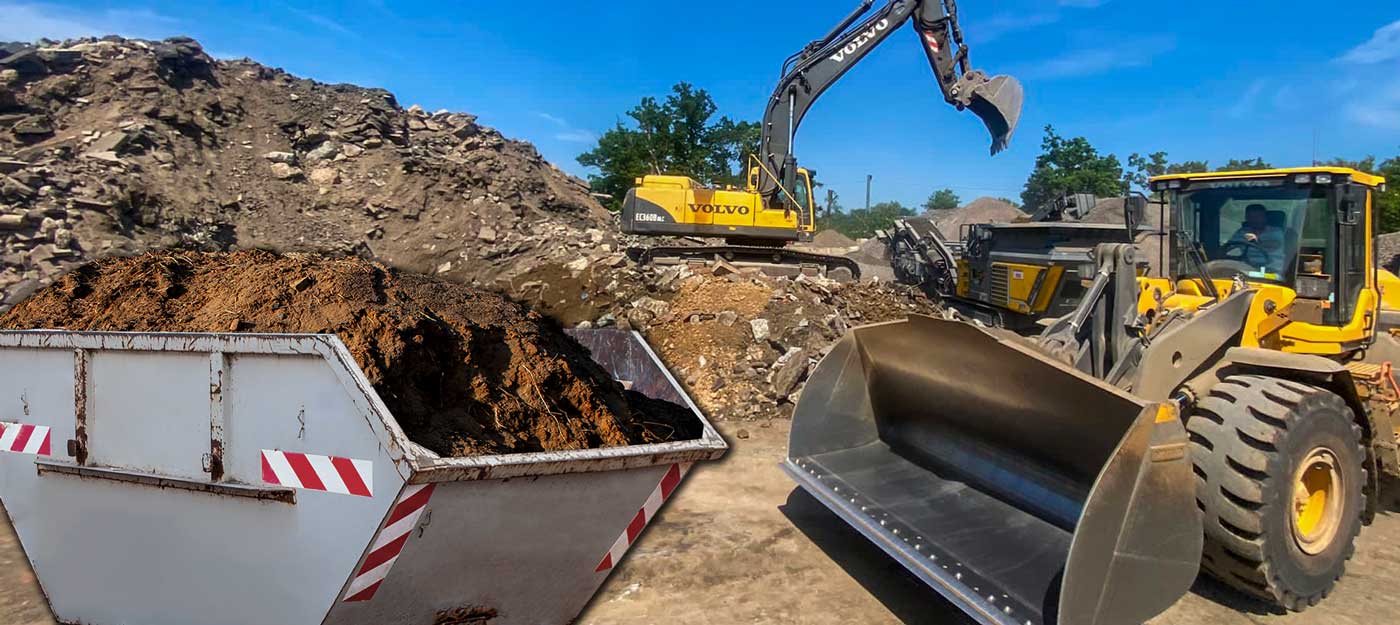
{"x":1234,"y":416}
{"x":775,"y":207}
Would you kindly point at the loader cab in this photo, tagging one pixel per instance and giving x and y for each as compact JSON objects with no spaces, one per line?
{"x":1305,"y":230}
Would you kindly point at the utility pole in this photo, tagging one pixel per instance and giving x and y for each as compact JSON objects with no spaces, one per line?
{"x":868,"y":178}
{"x":830,"y":202}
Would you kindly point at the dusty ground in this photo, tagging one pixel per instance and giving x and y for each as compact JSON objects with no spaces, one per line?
{"x":739,"y":544}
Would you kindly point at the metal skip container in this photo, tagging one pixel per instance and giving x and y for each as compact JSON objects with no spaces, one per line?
{"x":259,"y":479}
{"x":1022,"y":490}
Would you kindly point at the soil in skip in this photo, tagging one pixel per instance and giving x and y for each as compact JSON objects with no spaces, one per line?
{"x":463,"y":370}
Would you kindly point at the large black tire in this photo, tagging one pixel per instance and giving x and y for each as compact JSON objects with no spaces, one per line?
{"x":1248,"y":439}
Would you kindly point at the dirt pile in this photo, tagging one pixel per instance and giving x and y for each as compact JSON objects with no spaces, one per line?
{"x":1388,"y":251}
{"x":979,"y":211}
{"x":117,"y":146}
{"x":742,"y":343}
{"x":1109,"y":210}
{"x":831,"y":238}
{"x":463,"y":370}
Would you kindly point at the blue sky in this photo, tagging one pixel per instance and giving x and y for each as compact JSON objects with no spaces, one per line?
{"x":1200,"y":80}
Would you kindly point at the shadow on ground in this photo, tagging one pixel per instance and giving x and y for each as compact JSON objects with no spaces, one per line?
{"x":904,"y":595}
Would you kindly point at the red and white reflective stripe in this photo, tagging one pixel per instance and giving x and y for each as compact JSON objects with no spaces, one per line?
{"x":931,"y":41}
{"x":333,"y":474}
{"x":663,"y":491}
{"x":389,"y":544}
{"x":24,"y":439}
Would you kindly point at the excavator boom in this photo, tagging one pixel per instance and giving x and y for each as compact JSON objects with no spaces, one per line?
{"x":809,"y":73}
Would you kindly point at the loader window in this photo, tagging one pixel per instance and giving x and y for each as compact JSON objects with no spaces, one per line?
{"x":1257,"y":229}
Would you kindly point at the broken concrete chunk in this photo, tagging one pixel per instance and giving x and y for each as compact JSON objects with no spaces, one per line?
{"x":759,"y":328}
{"x":283,"y":171}
{"x":324,"y":176}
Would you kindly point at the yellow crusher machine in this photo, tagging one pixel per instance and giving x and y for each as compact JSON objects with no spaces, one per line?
{"x":1011,"y":275}
{"x":776,"y":205}
{"x":1233,"y":417}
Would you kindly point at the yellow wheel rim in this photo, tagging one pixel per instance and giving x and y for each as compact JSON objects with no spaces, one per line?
{"x":1318,"y":493}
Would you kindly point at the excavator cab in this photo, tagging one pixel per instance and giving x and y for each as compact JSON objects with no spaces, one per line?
{"x":796,"y":203}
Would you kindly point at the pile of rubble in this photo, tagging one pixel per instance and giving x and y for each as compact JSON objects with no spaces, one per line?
{"x":115,"y":146}
{"x":742,"y":343}
{"x":112,"y":147}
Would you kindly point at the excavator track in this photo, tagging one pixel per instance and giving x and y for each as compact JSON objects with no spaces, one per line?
{"x":778,"y":260}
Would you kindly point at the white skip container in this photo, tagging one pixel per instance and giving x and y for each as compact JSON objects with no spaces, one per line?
{"x":249,"y":479}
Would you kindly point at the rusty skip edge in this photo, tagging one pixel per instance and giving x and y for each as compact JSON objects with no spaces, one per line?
{"x":413,"y":462}
{"x":283,"y":495}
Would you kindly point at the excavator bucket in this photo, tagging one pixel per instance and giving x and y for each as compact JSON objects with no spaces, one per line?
{"x":1022,"y":490}
{"x":996,"y":100}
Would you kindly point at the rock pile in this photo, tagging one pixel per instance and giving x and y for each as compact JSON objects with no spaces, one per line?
{"x":116,"y":146}
{"x":741,"y":342}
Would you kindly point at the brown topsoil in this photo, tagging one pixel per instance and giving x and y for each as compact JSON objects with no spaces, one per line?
{"x":464,"y":371}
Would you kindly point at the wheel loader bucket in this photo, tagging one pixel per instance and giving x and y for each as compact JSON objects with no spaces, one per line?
{"x":996,"y":100}
{"x":1022,"y":490}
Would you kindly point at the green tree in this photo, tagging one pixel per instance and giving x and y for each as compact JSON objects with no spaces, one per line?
{"x":1188,"y":167}
{"x":1387,"y":203}
{"x":677,"y":136}
{"x":1236,"y":164}
{"x":1367,"y":164}
{"x":1070,"y":166}
{"x":861,"y":223}
{"x":942,"y":199}
{"x":1142,"y":168}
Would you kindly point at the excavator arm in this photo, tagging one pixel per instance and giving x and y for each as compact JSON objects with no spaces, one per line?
{"x":810,"y":72}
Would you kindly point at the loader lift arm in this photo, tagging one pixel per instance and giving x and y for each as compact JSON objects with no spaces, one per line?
{"x":811,"y":71}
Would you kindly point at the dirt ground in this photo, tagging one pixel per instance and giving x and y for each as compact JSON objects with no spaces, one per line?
{"x":740,"y":544}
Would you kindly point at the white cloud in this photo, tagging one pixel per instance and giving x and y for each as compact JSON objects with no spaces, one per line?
{"x":1384,"y":45}
{"x":554,"y":119}
{"x":29,"y":22}
{"x":577,"y":136}
{"x":324,"y":22}
{"x":566,"y":130}
{"x":1380,"y":109}
{"x":1093,"y":61}
{"x":1007,"y":22}
{"x":1245,"y":104}
{"x":1003,"y":24}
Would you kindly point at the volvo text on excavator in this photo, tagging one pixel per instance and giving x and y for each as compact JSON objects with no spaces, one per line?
{"x":776,"y":205}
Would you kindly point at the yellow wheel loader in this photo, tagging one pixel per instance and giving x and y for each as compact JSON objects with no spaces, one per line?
{"x":776,"y":206}
{"x":1232,"y":417}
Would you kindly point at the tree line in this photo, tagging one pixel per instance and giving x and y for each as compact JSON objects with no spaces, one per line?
{"x":680,"y":135}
